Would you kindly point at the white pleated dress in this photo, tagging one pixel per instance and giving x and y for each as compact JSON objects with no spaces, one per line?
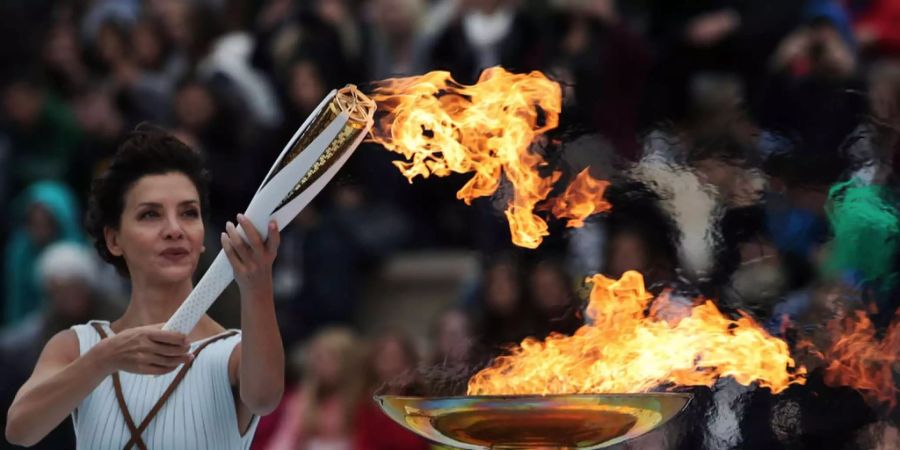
{"x":200,"y":413}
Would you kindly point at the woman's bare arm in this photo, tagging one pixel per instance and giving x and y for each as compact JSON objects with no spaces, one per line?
{"x":257,"y":365}
{"x":261,"y":356}
{"x":62,"y":379}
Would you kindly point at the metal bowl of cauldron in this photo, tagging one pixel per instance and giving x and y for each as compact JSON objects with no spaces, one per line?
{"x":577,"y":421}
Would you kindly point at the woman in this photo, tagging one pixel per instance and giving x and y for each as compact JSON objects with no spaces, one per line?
{"x":553,"y":299}
{"x":145,"y":214}
{"x":453,"y":339}
{"x":506,"y":317}
{"x":391,"y":369}
{"x":319,"y":412}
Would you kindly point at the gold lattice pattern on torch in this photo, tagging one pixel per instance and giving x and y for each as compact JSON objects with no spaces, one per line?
{"x":359,"y":108}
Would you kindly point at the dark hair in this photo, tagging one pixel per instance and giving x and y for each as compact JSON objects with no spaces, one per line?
{"x":148,"y":150}
{"x":638,"y":210}
{"x":723,"y":145}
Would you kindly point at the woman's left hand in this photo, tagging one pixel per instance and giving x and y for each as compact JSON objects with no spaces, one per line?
{"x":251,"y":259}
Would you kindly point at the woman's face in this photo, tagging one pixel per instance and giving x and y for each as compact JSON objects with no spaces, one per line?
{"x":305,"y":88}
{"x":194,"y":107}
{"x":147,"y":48}
{"x":391,"y":359}
{"x":110,"y":45}
{"x":551,"y":293}
{"x":40,"y":225}
{"x":454,"y":338}
{"x":327,"y":364}
{"x":160,"y":233}
{"x":626,"y":252}
{"x":61,"y":51}
{"x":502,"y":290}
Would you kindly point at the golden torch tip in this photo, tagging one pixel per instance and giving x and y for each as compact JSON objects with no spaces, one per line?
{"x":357,"y":105}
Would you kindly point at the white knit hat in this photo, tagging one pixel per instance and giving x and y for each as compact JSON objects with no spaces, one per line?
{"x":67,"y":261}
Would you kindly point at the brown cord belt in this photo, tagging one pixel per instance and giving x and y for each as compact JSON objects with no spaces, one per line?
{"x":136,"y":431}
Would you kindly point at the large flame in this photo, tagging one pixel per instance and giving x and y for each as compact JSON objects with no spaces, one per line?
{"x":625,"y":349}
{"x":443,"y":127}
{"x":859,"y":359}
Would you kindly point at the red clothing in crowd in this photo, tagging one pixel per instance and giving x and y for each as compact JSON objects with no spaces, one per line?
{"x":882,"y":17}
{"x":372,"y":429}
{"x":376,"y":431}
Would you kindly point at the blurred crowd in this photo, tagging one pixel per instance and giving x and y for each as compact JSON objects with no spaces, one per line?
{"x":752,"y":149}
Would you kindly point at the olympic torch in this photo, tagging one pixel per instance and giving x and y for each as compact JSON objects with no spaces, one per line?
{"x":306,"y":164}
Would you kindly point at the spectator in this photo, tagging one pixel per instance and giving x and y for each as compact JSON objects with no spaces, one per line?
{"x":68,"y":276}
{"x":711,"y":36}
{"x":391,"y":365}
{"x":488,"y":33}
{"x":306,"y":84}
{"x":453,"y":340}
{"x":391,"y":362}
{"x":640,"y":236}
{"x":177,"y":26}
{"x":728,"y":162}
{"x":62,"y":60}
{"x":875,"y":24}
{"x":753,"y":274}
{"x":45,"y":213}
{"x":809,"y":93}
{"x":162,"y":65}
{"x":67,"y":273}
{"x":335,"y":243}
{"x":41,"y":131}
{"x":795,"y":213}
{"x":205,"y":120}
{"x":506,"y":318}
{"x":873,"y":146}
{"x":339,"y":15}
{"x":553,"y":299}
{"x":286,"y":32}
{"x":104,"y":127}
{"x":141,"y":96}
{"x":397,"y":46}
{"x":229,"y":63}
{"x":319,"y":413}
{"x":604,"y":67}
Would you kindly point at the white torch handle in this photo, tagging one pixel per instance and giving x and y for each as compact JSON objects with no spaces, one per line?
{"x":220,"y":272}
{"x":214,"y":281}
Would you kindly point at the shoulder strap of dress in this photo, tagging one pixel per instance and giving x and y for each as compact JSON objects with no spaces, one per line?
{"x":120,"y":398}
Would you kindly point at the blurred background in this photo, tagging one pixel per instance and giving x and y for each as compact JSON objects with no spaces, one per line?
{"x":752,"y":147}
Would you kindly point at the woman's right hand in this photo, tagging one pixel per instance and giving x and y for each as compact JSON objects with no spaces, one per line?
{"x":146,"y":350}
